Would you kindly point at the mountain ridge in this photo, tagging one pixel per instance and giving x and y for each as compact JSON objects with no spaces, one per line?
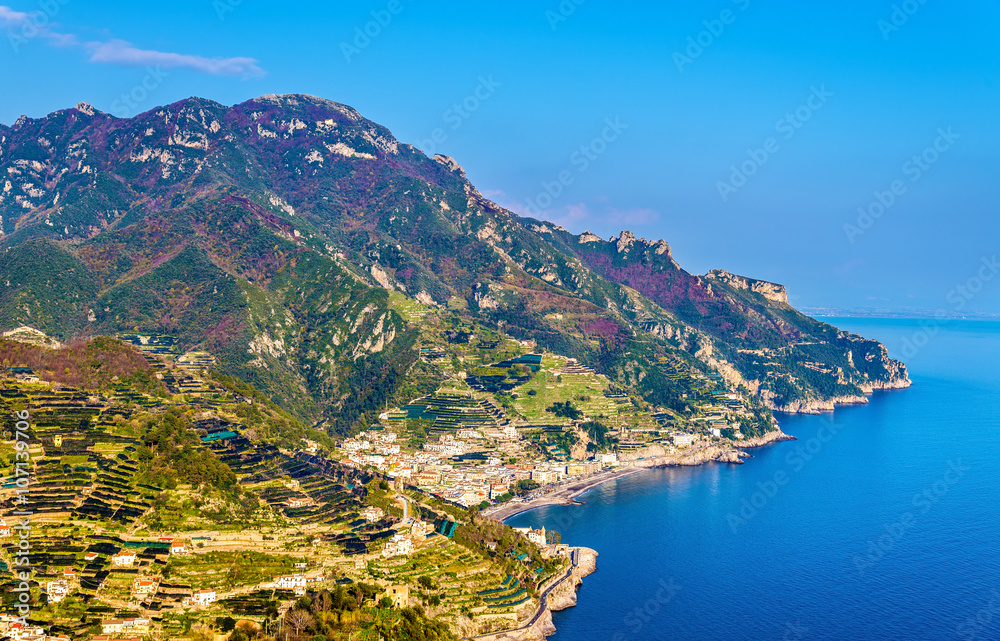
{"x":271,"y":233}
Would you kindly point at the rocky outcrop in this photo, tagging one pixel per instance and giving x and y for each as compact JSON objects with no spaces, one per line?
{"x":813,"y":406}
{"x":774,"y":436}
{"x":720,"y":452}
{"x":896,"y":383}
{"x":771,"y":291}
{"x":450,"y":163}
{"x":31,"y":336}
{"x":562,"y":596}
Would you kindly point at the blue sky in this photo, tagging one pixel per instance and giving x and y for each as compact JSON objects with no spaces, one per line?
{"x":746,"y":133}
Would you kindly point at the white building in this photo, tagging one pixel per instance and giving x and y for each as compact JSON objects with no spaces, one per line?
{"x":204,"y":597}
{"x":373,"y":513}
{"x":684,"y":440}
{"x":56,"y":590}
{"x":144,"y":586}
{"x":534,"y":536}
{"x":119,"y":626}
{"x":291,"y":582}
{"x":400,"y":545}
{"x":124,"y":558}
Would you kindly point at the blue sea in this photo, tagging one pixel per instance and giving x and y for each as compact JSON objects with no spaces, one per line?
{"x":881,"y":522}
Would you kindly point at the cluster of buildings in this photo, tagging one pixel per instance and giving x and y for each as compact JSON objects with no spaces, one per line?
{"x":135,"y":625}
{"x":534,"y":536}
{"x":411,"y":532}
{"x":433,"y":469}
{"x":297,"y":582}
{"x":57,"y":590}
{"x":12,"y":627}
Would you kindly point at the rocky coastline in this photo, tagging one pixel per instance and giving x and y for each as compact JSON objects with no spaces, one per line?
{"x":566,"y":492}
{"x":558,"y":597}
{"x":817,"y":406}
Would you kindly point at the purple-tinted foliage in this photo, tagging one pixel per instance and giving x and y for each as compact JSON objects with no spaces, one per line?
{"x":603,"y":327}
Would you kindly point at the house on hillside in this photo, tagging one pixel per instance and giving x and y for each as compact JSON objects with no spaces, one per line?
{"x":144,"y":586}
{"x":291,"y":582}
{"x":125,"y":558}
{"x":534,"y":536}
{"x":399,"y":545}
{"x":204,"y":597}
{"x":56,"y":590}
{"x":399,"y":594}
{"x":373,"y":514}
{"x":120,"y":626}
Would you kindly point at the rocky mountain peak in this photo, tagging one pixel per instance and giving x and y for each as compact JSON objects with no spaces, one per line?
{"x":450,"y":163}
{"x":625,"y":241}
{"x":771,"y":291}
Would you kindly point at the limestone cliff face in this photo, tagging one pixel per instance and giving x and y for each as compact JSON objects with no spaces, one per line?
{"x":771,"y":291}
{"x":559,"y":598}
{"x":720,"y":452}
{"x":812,"y":406}
{"x":564,"y":596}
{"x":657,"y":456}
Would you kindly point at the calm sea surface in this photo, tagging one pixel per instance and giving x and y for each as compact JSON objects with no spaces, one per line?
{"x":880,"y":522}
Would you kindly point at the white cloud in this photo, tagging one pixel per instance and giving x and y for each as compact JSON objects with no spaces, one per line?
{"x":569,"y":217}
{"x":577,"y":216}
{"x":12,"y":18}
{"x":23,"y":27}
{"x":119,"y":52}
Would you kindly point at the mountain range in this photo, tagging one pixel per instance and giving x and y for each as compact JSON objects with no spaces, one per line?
{"x":313,"y":255}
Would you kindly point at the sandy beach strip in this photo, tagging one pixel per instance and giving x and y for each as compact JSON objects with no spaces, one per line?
{"x":561,"y":493}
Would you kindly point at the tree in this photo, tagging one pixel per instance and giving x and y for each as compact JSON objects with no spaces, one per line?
{"x":527,"y":485}
{"x":321,"y":603}
{"x":553,"y":538}
{"x":298,"y":620}
{"x":226,"y":624}
{"x":565,"y":410}
{"x":201,"y":632}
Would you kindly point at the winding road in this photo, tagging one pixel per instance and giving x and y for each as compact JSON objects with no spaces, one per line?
{"x":544,"y":602}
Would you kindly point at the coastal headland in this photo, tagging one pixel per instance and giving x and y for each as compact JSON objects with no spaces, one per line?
{"x":558,"y":594}
{"x":565,"y":493}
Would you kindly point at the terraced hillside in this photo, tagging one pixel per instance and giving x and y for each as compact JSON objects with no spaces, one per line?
{"x":143,"y":502}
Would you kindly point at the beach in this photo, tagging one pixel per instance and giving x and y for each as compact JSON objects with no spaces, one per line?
{"x":564,"y":492}
{"x":560,"y":493}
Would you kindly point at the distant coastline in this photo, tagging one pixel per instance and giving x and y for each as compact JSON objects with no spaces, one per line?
{"x":913,"y":314}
